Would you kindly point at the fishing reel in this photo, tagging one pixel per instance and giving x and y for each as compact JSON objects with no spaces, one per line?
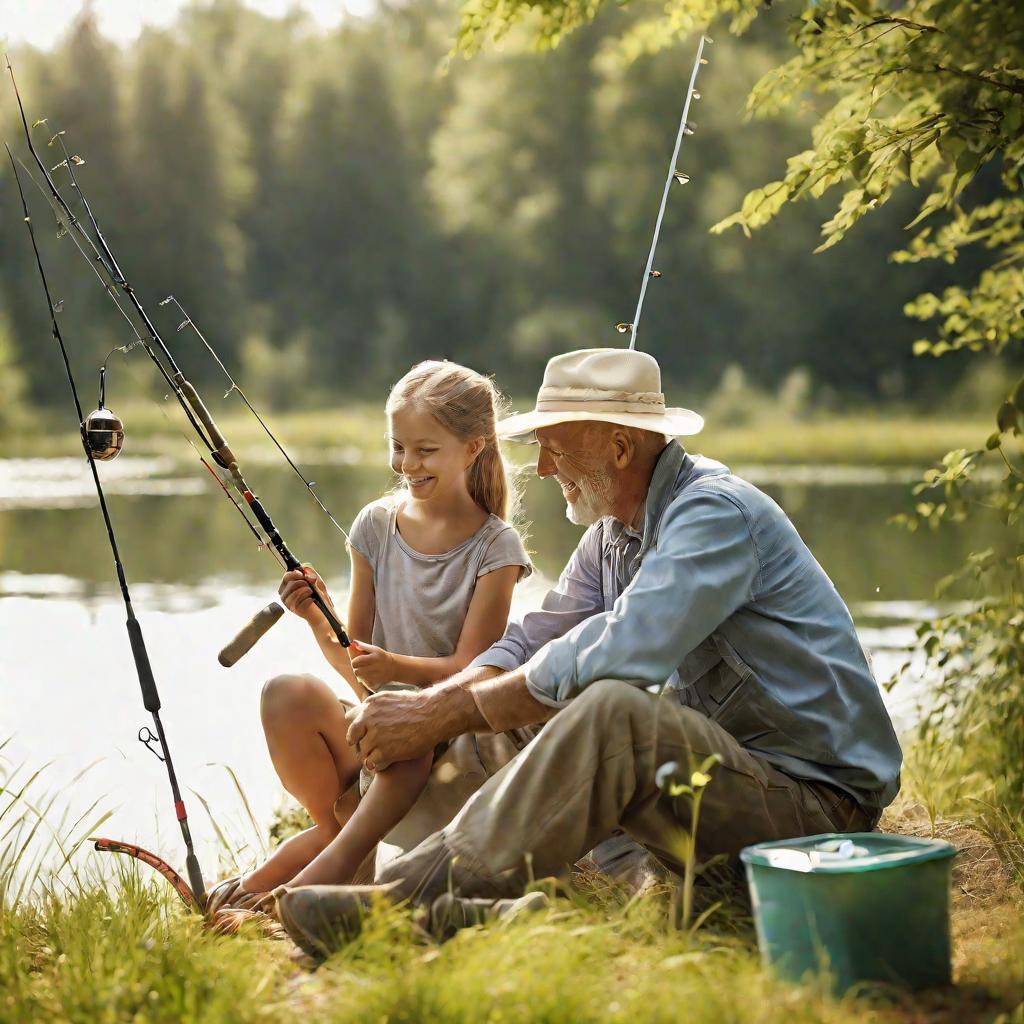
{"x":103,"y":429}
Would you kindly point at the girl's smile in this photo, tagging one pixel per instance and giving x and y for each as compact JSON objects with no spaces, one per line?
{"x":431,"y":461}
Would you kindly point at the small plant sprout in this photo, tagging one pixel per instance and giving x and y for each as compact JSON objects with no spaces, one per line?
{"x":677,"y":783}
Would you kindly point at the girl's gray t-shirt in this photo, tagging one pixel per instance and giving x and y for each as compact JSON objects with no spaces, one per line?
{"x":421,"y":601}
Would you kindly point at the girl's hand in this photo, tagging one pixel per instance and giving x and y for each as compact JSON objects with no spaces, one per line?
{"x":372,"y":665}
{"x":297,"y":597}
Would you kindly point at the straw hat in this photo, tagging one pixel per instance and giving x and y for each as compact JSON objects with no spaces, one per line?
{"x":612,"y":385}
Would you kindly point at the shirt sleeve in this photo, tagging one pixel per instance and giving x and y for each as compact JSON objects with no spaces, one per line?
{"x":577,"y":596}
{"x":506,"y":548}
{"x":362,"y":537}
{"x":703,"y":568}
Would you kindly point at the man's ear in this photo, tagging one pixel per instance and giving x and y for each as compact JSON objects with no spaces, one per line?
{"x":623,"y":447}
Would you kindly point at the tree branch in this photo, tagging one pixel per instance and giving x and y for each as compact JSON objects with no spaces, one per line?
{"x":995,"y":83}
{"x":903,"y":23}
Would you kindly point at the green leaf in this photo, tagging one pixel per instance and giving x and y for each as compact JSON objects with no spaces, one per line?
{"x":1017,"y":395}
{"x":1012,"y":120}
{"x":730,"y":221}
{"x":951,"y":146}
{"x":994,"y":441}
{"x":1006,"y":418}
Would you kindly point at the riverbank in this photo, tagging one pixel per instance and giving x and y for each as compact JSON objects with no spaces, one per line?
{"x":125,"y":950}
{"x":356,"y":433}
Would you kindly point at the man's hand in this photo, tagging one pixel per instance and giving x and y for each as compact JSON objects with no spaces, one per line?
{"x":372,"y":665}
{"x":297,"y":597}
{"x":399,"y":725}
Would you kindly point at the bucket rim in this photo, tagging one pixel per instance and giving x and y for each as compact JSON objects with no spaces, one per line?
{"x":916,"y":850}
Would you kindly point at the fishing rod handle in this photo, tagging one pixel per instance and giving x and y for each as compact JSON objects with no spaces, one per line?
{"x":195,"y":877}
{"x":221,"y":450}
{"x":290,"y":561}
{"x":150,"y":697}
{"x":332,"y":619}
{"x":247,"y":636}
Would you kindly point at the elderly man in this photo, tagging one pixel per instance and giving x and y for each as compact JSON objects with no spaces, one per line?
{"x":691,"y":620}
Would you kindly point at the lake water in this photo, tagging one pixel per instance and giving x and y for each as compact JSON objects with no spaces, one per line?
{"x":68,"y":690}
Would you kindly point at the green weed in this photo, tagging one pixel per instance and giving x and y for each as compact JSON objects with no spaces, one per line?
{"x":104,"y":940}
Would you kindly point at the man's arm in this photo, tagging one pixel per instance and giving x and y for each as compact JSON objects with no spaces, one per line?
{"x":704,"y":567}
{"x":576,"y":596}
{"x":400,"y":725}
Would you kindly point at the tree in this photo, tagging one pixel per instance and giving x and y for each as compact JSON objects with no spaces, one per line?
{"x":178,"y":206}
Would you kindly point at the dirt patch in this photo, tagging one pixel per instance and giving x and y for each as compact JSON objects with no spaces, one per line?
{"x":979,"y":874}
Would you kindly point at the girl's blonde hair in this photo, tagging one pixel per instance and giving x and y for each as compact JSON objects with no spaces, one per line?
{"x":466,"y":404}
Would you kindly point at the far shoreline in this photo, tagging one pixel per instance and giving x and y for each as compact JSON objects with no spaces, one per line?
{"x":895,"y":439}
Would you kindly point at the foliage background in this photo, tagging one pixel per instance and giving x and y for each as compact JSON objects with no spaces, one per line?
{"x":331,"y":208}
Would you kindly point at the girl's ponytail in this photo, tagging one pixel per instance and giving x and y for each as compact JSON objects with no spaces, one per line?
{"x":488,"y":480}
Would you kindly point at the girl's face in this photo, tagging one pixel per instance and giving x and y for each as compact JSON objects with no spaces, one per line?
{"x":432,"y":461}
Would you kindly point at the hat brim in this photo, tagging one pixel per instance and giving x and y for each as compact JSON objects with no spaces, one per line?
{"x":673,"y":422}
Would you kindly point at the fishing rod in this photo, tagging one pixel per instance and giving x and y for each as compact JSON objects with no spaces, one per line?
{"x":188,"y":398}
{"x":267,"y":616}
{"x":102,"y":435}
{"x":686,"y":127}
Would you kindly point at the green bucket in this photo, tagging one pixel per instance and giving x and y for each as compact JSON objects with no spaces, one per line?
{"x":864,"y":906}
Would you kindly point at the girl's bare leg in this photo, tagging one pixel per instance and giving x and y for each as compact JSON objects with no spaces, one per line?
{"x":305,"y":728}
{"x":387,"y":801}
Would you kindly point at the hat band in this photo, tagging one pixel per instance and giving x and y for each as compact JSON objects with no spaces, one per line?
{"x":567,"y":399}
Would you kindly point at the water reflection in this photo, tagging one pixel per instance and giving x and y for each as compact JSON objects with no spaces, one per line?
{"x":179,"y":529}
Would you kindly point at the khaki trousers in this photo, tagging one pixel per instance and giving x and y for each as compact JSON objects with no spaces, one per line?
{"x":591,"y":771}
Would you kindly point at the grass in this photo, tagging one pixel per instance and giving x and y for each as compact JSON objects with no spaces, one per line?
{"x":85,"y":946}
{"x":355,"y":432}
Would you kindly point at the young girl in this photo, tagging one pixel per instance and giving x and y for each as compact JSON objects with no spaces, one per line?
{"x":433,"y":569}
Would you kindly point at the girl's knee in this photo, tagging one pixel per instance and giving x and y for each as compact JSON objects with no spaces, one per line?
{"x":285,"y":695}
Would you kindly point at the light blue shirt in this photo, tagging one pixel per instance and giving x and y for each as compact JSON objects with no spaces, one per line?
{"x":720,"y":599}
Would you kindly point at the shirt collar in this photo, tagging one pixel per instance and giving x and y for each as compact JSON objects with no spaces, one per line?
{"x":661,"y":490}
{"x":659,"y":493}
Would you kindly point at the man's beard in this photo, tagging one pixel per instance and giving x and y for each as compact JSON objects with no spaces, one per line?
{"x":592,"y":503}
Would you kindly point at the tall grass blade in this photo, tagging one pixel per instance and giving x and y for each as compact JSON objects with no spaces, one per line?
{"x":221,"y":837}
{"x":257,"y":831}
{"x":21,"y":792}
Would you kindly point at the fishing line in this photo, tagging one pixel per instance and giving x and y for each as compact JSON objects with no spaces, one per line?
{"x":63,"y":223}
{"x":262,"y":542}
{"x":109,"y":264}
{"x":310,"y":484}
